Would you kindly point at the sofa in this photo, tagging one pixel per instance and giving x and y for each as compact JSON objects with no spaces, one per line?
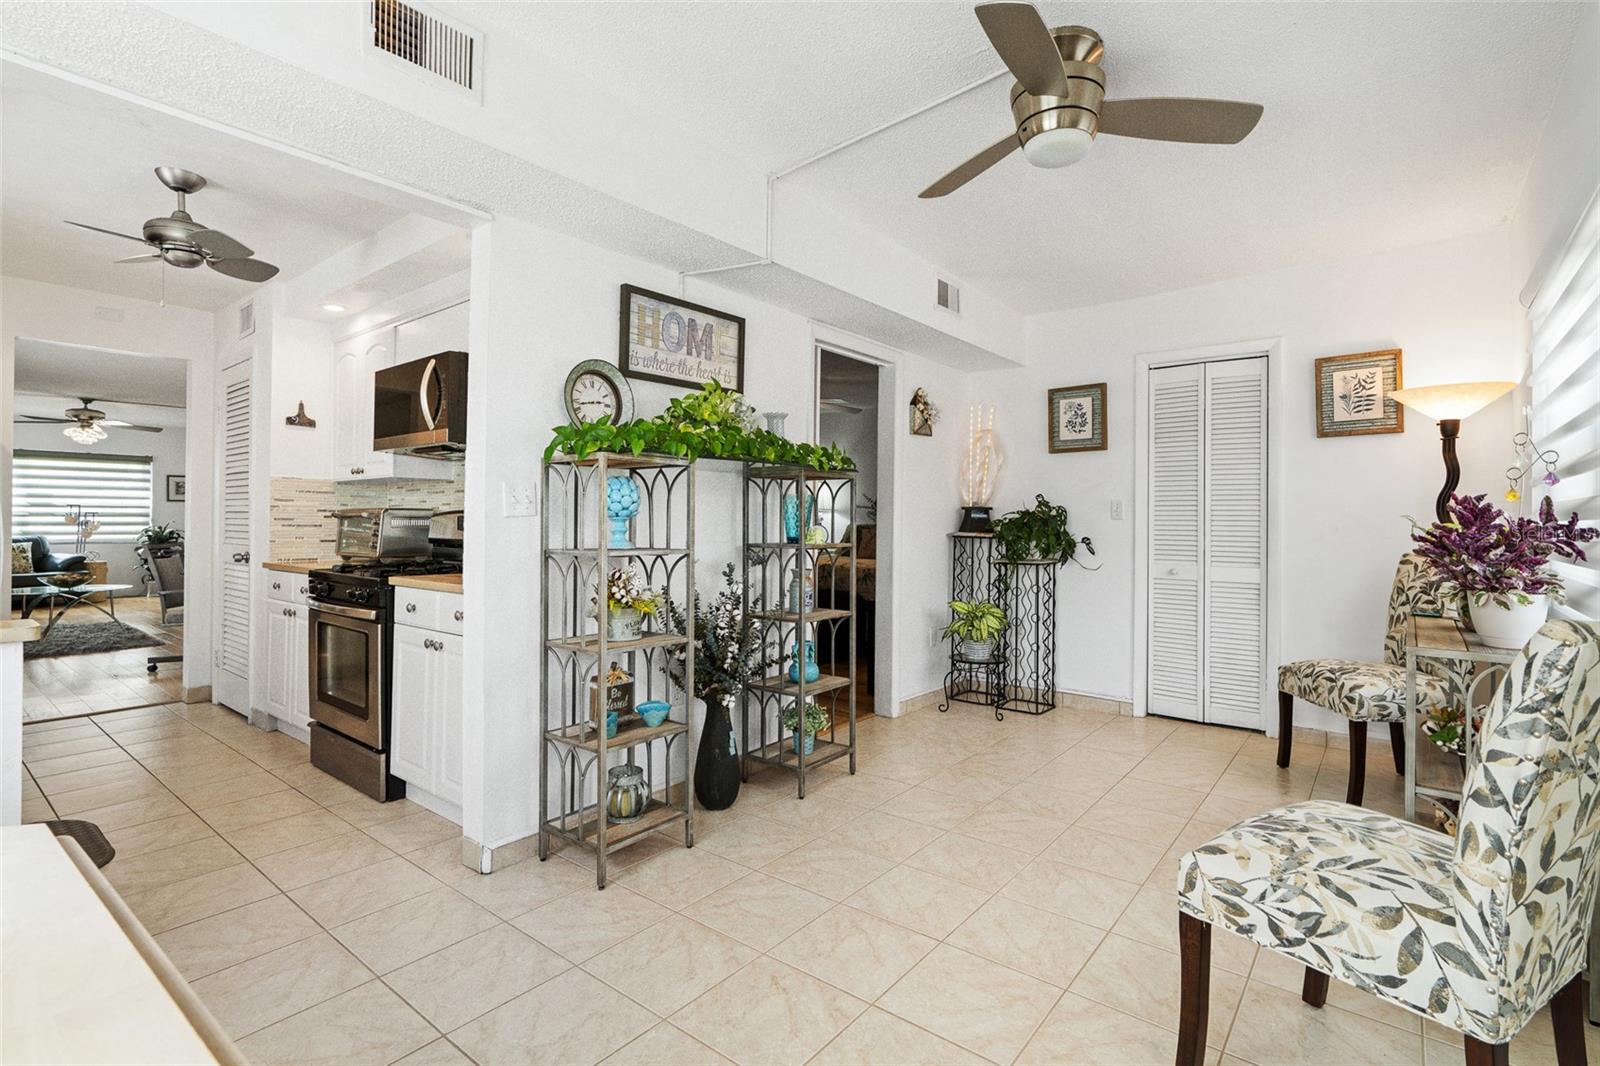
{"x":43,"y":561}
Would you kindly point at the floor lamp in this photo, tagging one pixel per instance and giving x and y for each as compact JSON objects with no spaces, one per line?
{"x":1448,"y":405}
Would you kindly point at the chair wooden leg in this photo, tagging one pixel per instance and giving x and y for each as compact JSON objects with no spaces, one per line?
{"x":1481,"y":1054}
{"x":1315,"y":988}
{"x":1566,"y":1016}
{"x":1358,"y":763}
{"x":1397,"y":741}
{"x":1285,"y":727}
{"x":1194,"y":943}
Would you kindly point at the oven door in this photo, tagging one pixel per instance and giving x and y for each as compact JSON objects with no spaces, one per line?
{"x":346,"y":648}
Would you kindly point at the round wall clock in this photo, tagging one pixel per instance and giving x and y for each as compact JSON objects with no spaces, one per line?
{"x":596,"y":389}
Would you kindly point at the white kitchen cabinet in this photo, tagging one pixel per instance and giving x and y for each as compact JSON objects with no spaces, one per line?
{"x":443,"y":331}
{"x":359,"y":359}
{"x":425,"y":720}
{"x":288,"y":668}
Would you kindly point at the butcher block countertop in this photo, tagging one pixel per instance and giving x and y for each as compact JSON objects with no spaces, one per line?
{"x":430,"y":582}
{"x":298,"y":566}
{"x":22,"y":630}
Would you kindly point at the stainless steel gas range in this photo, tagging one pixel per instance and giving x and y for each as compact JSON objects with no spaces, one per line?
{"x":351,"y":648}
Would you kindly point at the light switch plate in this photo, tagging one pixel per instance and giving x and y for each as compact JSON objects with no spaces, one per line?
{"x":518,"y":499}
{"x":1116,"y":510}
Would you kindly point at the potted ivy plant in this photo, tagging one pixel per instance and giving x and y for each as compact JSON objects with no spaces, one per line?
{"x":1498,"y":564}
{"x":1038,"y":534}
{"x":977,"y":624}
{"x":808,"y":725}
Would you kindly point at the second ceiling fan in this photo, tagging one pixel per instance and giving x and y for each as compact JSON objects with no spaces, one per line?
{"x":1058,"y":104}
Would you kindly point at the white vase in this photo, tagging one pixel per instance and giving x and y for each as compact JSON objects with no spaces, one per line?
{"x":1509,"y":627}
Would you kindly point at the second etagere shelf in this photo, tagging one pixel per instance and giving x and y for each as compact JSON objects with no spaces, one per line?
{"x":603,"y":513}
{"x":799,"y":553}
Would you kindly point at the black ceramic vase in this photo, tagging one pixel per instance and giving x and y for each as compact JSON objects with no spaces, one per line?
{"x":716,"y":767}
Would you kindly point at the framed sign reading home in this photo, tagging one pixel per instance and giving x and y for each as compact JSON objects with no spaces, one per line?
{"x":675,"y":342}
{"x":1077,"y":418}
{"x":1353,"y":394}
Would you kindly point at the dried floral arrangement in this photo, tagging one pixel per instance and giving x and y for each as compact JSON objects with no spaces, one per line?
{"x":728,"y":650}
{"x":625,"y":589}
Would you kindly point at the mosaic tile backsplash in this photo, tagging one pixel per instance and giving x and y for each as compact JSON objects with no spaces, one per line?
{"x":301,"y":528}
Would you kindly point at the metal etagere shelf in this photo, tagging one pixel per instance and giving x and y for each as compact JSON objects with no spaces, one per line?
{"x":574,"y":749}
{"x":1028,"y":594}
{"x":784,"y":578}
{"x":972,"y":579}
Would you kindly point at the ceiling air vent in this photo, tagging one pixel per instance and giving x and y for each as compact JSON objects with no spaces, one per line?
{"x":427,"y":42}
{"x":949,"y":297}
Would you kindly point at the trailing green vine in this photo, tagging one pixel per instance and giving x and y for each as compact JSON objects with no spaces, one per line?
{"x":713,"y":423}
{"x":1040,"y":532}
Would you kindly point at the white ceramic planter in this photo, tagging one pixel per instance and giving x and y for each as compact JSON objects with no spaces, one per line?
{"x":1509,"y":627}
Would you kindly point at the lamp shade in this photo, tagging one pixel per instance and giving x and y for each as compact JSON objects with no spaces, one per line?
{"x":1440,"y":402}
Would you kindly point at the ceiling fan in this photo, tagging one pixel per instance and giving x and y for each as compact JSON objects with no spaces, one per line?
{"x":85,"y":424}
{"x":836,"y":406}
{"x":1058,"y":104}
{"x":182,"y":242}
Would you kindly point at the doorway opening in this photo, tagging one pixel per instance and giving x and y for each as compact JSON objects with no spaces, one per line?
{"x":850,"y":414}
{"x":97,"y":500}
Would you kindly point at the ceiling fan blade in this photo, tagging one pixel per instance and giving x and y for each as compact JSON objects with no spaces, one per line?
{"x":243,"y":269}
{"x":110,"y":232}
{"x":42,"y":420}
{"x":150,"y":257}
{"x":117,"y":423}
{"x":1024,"y":43}
{"x":1180,"y":118}
{"x":218,"y":245}
{"x":971,"y":168}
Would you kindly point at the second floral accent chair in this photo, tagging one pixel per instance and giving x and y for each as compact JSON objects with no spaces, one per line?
{"x":1375,"y":692}
{"x":1477,"y":933}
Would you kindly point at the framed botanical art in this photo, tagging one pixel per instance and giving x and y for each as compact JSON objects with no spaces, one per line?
{"x":177,"y":488}
{"x":675,"y":342}
{"x":1077,"y":418}
{"x":1354,"y":394}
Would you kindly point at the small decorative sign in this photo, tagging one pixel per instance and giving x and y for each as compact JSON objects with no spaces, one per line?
{"x":1077,"y":418}
{"x":1353,"y":394}
{"x":679,"y":343}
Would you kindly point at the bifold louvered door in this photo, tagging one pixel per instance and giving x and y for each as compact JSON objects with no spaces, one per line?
{"x":231,"y":681}
{"x":1206,"y":600}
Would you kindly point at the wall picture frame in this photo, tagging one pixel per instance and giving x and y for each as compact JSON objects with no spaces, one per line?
{"x":672,"y":341}
{"x":177,"y":488}
{"x":1076,"y":418}
{"x":1354,"y":394}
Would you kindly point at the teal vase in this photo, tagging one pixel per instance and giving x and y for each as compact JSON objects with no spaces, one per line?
{"x":809,"y":660}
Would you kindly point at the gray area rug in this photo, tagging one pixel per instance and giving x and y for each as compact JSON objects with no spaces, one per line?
{"x":86,"y":638}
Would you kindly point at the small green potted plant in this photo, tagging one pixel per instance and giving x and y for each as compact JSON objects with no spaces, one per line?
{"x":160,"y":539}
{"x":1038,"y":534}
{"x":977,"y":624}
{"x":815,"y":721}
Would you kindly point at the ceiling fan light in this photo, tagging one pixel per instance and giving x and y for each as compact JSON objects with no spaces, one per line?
{"x":1059,"y":147}
{"x":84,"y":434}
{"x":182,"y":258}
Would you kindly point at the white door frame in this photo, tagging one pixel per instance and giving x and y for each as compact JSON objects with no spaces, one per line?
{"x":1273,"y":347}
{"x":886,"y":697}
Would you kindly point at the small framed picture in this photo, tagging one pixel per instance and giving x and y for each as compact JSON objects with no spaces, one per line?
{"x":1354,"y":394}
{"x":177,"y":488}
{"x":1077,"y":418}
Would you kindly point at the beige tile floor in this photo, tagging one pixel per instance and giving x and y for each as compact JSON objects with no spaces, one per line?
{"x":980,"y":891}
{"x":66,"y":685}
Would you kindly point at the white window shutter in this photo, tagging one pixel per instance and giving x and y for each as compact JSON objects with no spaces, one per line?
{"x":1235,"y":541}
{"x":1176,"y":426}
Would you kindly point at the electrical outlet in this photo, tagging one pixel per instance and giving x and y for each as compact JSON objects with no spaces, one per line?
{"x":1116,"y":510}
{"x":519,"y":500}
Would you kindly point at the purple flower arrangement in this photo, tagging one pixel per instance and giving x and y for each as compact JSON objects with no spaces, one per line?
{"x":1489,"y":556}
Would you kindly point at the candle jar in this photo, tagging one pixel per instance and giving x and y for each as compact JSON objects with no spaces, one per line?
{"x":627,"y":795}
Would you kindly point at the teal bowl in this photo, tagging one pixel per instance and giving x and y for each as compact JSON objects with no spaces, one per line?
{"x":654,"y":712}
{"x":612,"y":718}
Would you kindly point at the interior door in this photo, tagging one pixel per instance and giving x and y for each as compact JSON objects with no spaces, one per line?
{"x":1175,"y":675}
{"x":231,"y":679}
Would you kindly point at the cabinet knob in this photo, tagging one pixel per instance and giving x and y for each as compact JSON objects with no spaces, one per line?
{"x":276,"y":586}
{"x":302,"y":590}
{"x":411,"y":608}
{"x":458,"y":616}
{"x":1172,"y":570}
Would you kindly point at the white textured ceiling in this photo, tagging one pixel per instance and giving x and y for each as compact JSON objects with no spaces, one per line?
{"x":75,"y":154}
{"x":1386,"y":125}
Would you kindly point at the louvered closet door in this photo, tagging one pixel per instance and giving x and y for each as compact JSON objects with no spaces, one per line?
{"x":231,"y":684}
{"x":1176,"y":427}
{"x":1206,"y":599}
{"x":1235,"y":541}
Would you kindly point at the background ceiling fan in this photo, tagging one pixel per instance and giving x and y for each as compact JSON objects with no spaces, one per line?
{"x":1058,"y":104}
{"x":182,"y":242}
{"x":85,"y":424}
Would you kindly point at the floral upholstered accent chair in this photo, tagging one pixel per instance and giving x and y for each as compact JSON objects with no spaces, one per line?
{"x":1375,"y":692}
{"x":1476,"y":933}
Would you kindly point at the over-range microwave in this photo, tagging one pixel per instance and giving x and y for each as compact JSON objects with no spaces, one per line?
{"x":420,"y":407}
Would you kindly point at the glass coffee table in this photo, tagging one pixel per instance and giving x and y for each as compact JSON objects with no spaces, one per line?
{"x":58,"y":600}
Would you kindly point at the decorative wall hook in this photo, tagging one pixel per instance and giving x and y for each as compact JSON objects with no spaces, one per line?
{"x":300,"y":418}
{"x":1526,"y":454}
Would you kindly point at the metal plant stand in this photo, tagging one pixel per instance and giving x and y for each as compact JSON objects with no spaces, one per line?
{"x":575,"y":753}
{"x":972,"y":578}
{"x":1028,"y":592}
{"x":784,"y":577}
{"x":976,"y":681}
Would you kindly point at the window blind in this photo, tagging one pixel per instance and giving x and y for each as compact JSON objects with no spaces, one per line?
{"x":1564,"y":354}
{"x":45,"y":486}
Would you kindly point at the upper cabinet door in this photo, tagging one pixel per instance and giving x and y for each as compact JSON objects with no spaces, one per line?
{"x":443,"y":331}
{"x":361,"y":358}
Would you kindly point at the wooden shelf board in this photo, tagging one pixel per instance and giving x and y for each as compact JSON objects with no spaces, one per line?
{"x":781,"y":753}
{"x":821,"y":614}
{"x":580,"y":830}
{"x":595,"y":552}
{"x":827,"y":546}
{"x":781,"y":684}
{"x":590,"y":645}
{"x":621,"y":460}
{"x":587,"y":737}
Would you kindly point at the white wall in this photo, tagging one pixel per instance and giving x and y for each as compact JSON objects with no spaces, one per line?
{"x":167,"y":452}
{"x":38,"y":310}
{"x":1445,"y":305}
